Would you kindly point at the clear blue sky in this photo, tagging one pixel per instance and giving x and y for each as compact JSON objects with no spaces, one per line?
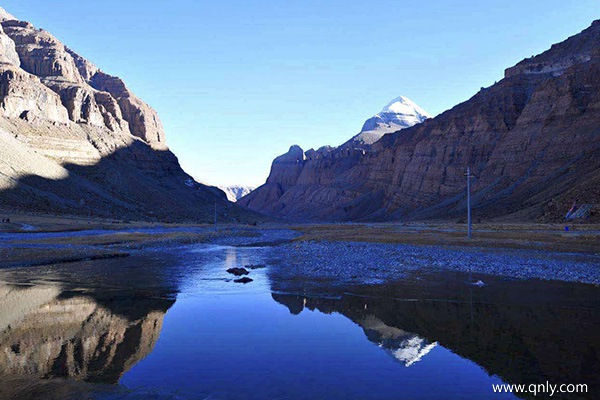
{"x":237,"y":82}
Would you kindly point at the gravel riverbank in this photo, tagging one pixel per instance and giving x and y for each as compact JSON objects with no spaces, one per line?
{"x":343,"y":263}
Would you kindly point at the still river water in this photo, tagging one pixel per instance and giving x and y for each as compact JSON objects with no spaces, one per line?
{"x":173,"y":325}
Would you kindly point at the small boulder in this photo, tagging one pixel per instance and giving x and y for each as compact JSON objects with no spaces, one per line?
{"x":238,"y":271}
{"x":257,"y":266}
{"x":243,"y":280}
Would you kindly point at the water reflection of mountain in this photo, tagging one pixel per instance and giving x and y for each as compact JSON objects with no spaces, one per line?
{"x":523,"y":332}
{"x":405,"y":347}
{"x":47,"y":333}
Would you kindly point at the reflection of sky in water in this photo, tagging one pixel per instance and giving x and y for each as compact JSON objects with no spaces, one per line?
{"x":238,"y":346}
{"x":210,"y":274}
{"x":233,"y":341}
{"x":224,"y":340}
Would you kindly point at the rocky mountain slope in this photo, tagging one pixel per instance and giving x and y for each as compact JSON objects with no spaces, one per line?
{"x":75,"y":140}
{"x":292,"y":171}
{"x":532,"y":141}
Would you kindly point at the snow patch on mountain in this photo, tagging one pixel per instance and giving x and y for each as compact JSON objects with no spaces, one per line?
{"x":236,"y":192}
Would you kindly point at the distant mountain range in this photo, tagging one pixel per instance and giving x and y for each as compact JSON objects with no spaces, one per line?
{"x":532,"y":141}
{"x":236,"y":192}
{"x":76,"y":140}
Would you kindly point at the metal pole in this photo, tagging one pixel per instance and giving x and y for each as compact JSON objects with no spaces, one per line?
{"x":469,"y":201}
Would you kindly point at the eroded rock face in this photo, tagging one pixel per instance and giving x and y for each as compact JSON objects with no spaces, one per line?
{"x":8,"y":52}
{"x":22,"y":94}
{"x":143,"y":120}
{"x":532,"y":140}
{"x":289,"y":167}
{"x":89,"y":95}
{"x":41,"y":54}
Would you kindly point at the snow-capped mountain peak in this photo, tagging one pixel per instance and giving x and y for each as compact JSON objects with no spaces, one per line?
{"x":398,"y":114}
{"x":236,"y":192}
{"x":405,"y":106}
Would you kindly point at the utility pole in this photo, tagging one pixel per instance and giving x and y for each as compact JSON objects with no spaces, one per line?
{"x":215,"y":215}
{"x":469,"y":226}
{"x":469,"y":222}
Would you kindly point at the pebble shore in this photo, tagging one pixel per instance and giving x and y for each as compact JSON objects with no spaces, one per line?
{"x":371,"y":263}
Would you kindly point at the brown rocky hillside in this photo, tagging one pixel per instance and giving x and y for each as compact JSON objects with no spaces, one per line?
{"x":75,"y":140}
{"x":532,"y":141}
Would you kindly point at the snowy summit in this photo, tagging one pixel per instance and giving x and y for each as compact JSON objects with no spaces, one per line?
{"x":236,"y":192}
{"x":407,"y":109}
{"x":398,"y":114}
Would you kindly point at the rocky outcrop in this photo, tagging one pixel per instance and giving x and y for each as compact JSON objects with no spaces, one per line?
{"x":575,"y":50}
{"x":106,"y":147}
{"x":8,"y":52}
{"x":24,"y":96}
{"x":143,"y":120}
{"x":532,"y":141}
{"x":72,"y":78}
{"x":294,"y":174}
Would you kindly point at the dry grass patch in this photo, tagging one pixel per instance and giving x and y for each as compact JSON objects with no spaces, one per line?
{"x":496,"y":236}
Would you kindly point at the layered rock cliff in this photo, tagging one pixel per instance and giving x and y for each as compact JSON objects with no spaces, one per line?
{"x":532,"y":141}
{"x":292,"y":171}
{"x":74,"y":139}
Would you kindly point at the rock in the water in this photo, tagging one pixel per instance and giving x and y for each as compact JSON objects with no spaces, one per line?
{"x":243,"y":280}
{"x":256,"y":266}
{"x":238,"y":271}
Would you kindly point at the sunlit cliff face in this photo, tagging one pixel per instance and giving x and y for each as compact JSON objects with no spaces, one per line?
{"x":52,"y":334}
